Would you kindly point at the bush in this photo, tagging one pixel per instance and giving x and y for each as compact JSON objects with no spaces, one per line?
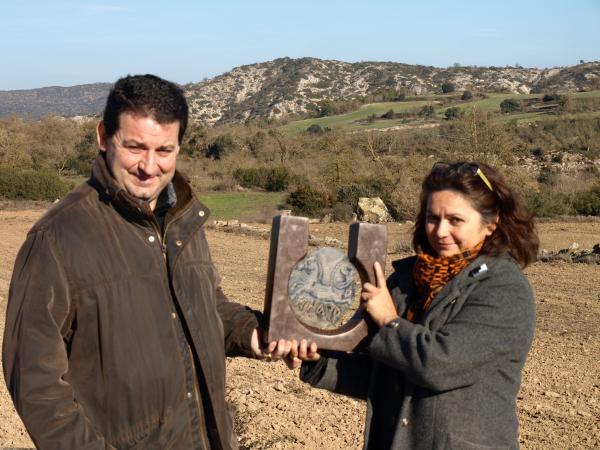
{"x":222,"y":145}
{"x":315,"y":128}
{"x":31,"y":185}
{"x":342,"y":212}
{"x":308,"y":201}
{"x":509,"y":105}
{"x":389,"y":114}
{"x":549,"y":204}
{"x":448,"y":87}
{"x":466,"y":95}
{"x":273,"y":179}
{"x":427,"y":111}
{"x":453,"y":113}
{"x":587,"y":203}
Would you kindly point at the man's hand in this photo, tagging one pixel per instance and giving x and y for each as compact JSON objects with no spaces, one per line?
{"x":274,"y":350}
{"x":377,"y":299}
{"x":302,"y":352}
{"x":292,"y":353}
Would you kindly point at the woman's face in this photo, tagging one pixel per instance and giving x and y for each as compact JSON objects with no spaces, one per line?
{"x":452,"y":225}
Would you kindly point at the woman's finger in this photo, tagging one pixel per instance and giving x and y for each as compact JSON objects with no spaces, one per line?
{"x":369,"y":287}
{"x":379,"y":274}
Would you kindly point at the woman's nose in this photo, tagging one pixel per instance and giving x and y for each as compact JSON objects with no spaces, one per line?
{"x":442,"y":228}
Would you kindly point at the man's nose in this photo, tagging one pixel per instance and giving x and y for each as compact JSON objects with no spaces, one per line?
{"x":148,"y":162}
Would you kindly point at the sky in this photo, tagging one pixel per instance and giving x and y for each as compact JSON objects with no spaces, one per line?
{"x":67,"y":43}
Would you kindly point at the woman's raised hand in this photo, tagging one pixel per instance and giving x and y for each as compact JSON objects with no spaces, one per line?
{"x":377,"y":299}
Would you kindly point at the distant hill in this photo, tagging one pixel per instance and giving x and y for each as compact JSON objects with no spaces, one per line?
{"x":286,"y":86}
{"x":65,"y":101}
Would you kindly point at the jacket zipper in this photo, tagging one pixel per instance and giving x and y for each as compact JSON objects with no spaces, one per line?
{"x":163,"y":246}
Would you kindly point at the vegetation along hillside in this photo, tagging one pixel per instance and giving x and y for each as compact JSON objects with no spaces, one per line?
{"x":365,"y":129}
{"x":287,"y":87}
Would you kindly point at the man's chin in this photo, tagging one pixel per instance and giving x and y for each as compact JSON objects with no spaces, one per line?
{"x":143,"y":194}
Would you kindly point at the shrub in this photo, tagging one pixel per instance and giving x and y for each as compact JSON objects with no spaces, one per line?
{"x":277,"y":179}
{"x":342,"y":212}
{"x":448,"y":87}
{"x":308,"y":201}
{"x":466,"y":95}
{"x":427,"y":111}
{"x":587,"y":203}
{"x":325,"y":108}
{"x":273,"y":179}
{"x":549,"y":204}
{"x":315,"y":128}
{"x":389,"y":114}
{"x":509,"y":105}
{"x":453,"y":113}
{"x":31,"y":185}
{"x":222,"y":145}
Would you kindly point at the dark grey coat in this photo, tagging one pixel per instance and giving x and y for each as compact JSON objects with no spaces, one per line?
{"x":450,"y":381}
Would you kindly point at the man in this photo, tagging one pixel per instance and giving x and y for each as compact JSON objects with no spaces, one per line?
{"x":116,"y":329}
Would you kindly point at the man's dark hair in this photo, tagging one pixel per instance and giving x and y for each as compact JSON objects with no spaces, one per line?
{"x":148,"y":96}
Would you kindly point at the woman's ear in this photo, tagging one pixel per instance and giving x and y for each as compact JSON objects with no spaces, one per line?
{"x":491,"y":227}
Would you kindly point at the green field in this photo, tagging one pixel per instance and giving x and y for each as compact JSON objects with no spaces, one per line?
{"x":250,"y":206}
{"x":350,"y":119}
{"x":489,"y":104}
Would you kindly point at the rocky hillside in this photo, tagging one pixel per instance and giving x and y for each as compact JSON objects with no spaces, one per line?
{"x":285,"y":86}
{"x":65,"y":101}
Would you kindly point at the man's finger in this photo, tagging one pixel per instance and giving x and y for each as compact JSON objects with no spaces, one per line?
{"x":302,"y":349}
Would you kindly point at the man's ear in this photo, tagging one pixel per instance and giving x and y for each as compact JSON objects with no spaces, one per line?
{"x":101,"y":136}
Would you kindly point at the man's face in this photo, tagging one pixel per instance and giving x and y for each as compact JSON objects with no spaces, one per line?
{"x":141,"y":154}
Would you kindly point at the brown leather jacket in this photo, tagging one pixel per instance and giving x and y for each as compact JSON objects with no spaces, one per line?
{"x":98,"y":308}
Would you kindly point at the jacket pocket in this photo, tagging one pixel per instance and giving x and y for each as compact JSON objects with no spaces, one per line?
{"x":454,"y":442}
{"x":146,"y":438}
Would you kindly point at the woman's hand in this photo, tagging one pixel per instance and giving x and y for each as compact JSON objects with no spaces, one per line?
{"x":377,"y":299}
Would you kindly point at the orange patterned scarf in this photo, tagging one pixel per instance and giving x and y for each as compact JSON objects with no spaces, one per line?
{"x":431,"y":273}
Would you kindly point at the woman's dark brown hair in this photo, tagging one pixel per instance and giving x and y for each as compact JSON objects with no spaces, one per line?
{"x":515,"y":233}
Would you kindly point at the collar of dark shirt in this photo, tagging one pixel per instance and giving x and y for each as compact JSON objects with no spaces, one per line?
{"x":167,"y":199}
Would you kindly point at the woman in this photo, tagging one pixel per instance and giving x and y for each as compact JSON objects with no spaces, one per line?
{"x":455,"y":322}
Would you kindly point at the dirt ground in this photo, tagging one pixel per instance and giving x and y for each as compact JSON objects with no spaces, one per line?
{"x":559,"y":402}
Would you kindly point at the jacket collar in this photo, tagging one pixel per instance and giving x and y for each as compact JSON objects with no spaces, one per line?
{"x":132,"y":207}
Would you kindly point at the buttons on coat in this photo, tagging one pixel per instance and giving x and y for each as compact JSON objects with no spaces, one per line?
{"x":404,"y":421}
{"x":189,"y":395}
{"x":151,"y":238}
{"x":201,"y":213}
{"x":173,"y":316}
{"x":178,"y":243}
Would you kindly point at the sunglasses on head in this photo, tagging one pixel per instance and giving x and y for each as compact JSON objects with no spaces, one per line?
{"x":463,"y":168}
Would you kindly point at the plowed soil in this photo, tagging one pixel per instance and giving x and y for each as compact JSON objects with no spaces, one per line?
{"x":559,"y":402}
